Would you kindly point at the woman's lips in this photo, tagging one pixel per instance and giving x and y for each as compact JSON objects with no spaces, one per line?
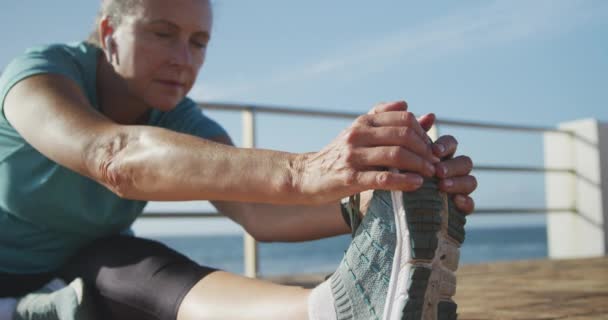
{"x":170,"y":83}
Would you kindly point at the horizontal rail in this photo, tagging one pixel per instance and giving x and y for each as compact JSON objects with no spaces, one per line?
{"x":500,"y":126}
{"x":279,"y":110}
{"x":522,"y":210}
{"x":352,"y":115}
{"x":522,"y":169}
{"x":206,"y":215}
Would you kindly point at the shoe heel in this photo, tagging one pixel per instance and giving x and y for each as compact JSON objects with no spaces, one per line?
{"x":436,"y":231}
{"x":456,"y":222}
{"x":423,"y":217}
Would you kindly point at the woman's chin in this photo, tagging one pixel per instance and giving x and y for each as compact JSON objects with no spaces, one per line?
{"x":166,"y":104}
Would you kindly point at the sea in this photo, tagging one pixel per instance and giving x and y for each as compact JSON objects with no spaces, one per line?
{"x":482,"y":244}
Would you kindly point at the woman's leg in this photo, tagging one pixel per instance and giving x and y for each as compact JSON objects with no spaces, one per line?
{"x":400,"y":264}
{"x":222,"y":295}
{"x":134,"y":278}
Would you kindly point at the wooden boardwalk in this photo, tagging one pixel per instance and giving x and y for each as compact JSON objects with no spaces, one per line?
{"x":535,"y":289}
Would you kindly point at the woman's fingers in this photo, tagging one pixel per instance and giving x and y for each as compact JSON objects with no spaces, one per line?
{"x":427,"y":121}
{"x":460,"y":185}
{"x":445,"y":146}
{"x":387,"y":137}
{"x":464,"y":204}
{"x":388,"y":180}
{"x":391,"y":136}
{"x":391,"y":124}
{"x":459,"y":166}
{"x":389,"y":106}
{"x":392,"y":119}
{"x":392,"y":157}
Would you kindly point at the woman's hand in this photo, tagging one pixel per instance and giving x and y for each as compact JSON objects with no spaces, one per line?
{"x":387,"y":137}
{"x":455,"y":173}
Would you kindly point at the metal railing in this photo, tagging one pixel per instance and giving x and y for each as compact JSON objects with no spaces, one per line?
{"x":250,"y":247}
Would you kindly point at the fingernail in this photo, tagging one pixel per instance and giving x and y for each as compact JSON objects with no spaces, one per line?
{"x":444,"y":170}
{"x":430,"y":168}
{"x":417,"y":180}
{"x":441,"y":148}
{"x":448,"y":183}
{"x":460,"y":200}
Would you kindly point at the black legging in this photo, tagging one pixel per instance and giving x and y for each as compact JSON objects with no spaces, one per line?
{"x":128,"y":278}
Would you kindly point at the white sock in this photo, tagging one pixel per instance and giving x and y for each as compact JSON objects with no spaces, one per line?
{"x":321,"y":303}
{"x":7,"y":308}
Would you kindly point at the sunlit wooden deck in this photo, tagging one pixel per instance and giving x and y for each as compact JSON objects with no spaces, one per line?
{"x":535,"y":289}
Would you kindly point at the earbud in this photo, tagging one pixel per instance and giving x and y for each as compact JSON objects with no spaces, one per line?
{"x":109,"y":48}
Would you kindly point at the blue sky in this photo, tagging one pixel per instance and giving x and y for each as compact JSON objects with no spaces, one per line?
{"x":521,"y":62}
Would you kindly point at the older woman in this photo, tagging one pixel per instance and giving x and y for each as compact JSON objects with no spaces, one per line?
{"x":90,"y":131}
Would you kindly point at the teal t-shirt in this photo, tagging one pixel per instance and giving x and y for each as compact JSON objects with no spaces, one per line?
{"x":48,"y":212}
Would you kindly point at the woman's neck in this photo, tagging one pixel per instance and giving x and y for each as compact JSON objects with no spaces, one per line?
{"x":114,"y":99}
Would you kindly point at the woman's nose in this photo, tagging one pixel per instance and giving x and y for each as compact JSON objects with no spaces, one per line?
{"x":180,"y":54}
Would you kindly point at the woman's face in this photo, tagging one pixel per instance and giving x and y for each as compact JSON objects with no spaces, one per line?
{"x":161,"y":47}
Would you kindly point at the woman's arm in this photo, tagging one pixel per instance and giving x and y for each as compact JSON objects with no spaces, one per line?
{"x":301,"y":223}
{"x":286,"y":223}
{"x":269,"y":223}
{"x":140,"y":162}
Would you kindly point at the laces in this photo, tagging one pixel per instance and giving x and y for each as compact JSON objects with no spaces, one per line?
{"x":354,"y":212}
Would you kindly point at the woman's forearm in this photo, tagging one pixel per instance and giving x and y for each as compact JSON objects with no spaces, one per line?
{"x":268,"y":222}
{"x":150,"y":163}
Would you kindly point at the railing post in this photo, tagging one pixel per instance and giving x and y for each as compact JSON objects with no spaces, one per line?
{"x":582,"y":232}
{"x":250,"y":246}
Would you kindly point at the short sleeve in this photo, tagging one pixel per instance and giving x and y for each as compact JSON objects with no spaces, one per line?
{"x":51,"y":59}
{"x":188,"y":118}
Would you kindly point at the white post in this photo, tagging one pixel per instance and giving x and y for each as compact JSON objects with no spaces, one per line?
{"x":250,"y":246}
{"x":582,"y":231}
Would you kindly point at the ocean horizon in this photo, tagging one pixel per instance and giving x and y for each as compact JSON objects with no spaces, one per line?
{"x":225,"y":251}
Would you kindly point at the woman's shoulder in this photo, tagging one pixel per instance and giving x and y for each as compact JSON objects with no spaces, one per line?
{"x":70,"y":48}
{"x":77,"y":56}
{"x":77,"y":61}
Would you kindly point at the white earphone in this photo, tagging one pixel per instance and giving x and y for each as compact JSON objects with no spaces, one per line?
{"x":109,"y":48}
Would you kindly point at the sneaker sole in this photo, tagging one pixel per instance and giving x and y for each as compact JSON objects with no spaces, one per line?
{"x":429,"y":233}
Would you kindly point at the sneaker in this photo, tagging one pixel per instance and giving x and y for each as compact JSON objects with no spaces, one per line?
{"x":402,"y":260}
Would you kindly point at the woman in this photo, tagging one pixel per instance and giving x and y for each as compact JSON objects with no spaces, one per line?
{"x":91,"y":131}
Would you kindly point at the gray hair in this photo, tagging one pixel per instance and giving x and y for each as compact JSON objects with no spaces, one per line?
{"x":116,"y":10}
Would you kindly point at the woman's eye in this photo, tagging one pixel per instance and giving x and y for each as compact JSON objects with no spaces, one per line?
{"x":162,"y":34}
{"x":199,"y":44}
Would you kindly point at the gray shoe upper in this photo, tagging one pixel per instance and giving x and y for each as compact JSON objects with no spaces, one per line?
{"x":360,"y":284}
